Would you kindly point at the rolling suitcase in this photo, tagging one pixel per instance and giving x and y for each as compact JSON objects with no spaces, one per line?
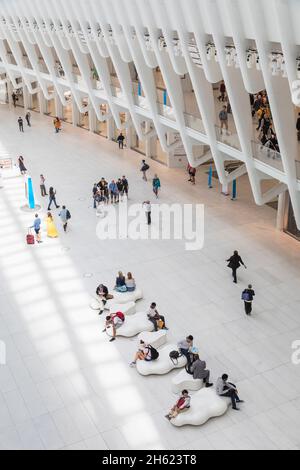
{"x":30,"y":238}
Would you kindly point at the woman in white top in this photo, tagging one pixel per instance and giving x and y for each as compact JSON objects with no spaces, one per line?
{"x":130,"y":283}
{"x":143,"y":354}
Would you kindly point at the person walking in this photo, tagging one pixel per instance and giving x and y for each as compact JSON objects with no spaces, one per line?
{"x":223,"y":116}
{"x":234,"y":263}
{"x":21,"y":124}
{"x":15,"y":99}
{"x":57,"y":124}
{"x":52,"y":198}
{"x":22,"y":167}
{"x":148,"y":211}
{"x":156,"y":185}
{"x":43,"y":186}
{"x":65,"y":216}
{"x":222,"y":92}
{"x":51,"y":228}
{"x":37,"y":228}
{"x":248,"y":296}
{"x":192,"y":172}
{"x":28,"y":118}
{"x":144,"y":169}
{"x":120,"y":141}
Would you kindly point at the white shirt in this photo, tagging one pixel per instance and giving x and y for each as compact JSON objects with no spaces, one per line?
{"x":147,"y":207}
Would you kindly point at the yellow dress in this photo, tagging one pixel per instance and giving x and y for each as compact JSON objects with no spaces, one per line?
{"x":51,"y":228}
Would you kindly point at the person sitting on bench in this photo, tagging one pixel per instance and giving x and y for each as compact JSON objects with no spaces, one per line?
{"x":182,"y":405}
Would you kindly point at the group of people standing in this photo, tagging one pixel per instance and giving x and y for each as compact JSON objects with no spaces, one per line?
{"x":262,"y":111}
{"x":114,"y":192}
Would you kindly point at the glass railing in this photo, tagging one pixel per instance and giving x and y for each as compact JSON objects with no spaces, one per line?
{"x":116,"y":91}
{"x":228,"y":138}
{"x":166,"y":111}
{"x":267,"y":155}
{"x":194,"y":122}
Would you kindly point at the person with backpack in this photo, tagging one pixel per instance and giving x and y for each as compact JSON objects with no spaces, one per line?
{"x":248,"y":296}
{"x":65,"y":216}
{"x":146,"y":353}
{"x":234,"y":263}
{"x":182,"y":405}
{"x":114,"y":322}
{"x":144,"y":169}
{"x":156,"y":184}
{"x":155,"y":318}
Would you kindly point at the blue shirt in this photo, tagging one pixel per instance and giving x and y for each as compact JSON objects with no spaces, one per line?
{"x":37,"y":224}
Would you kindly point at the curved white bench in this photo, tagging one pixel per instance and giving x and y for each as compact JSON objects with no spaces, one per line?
{"x":135,"y":324}
{"x":162,"y":365}
{"x":157,"y":338}
{"x":124,"y":298}
{"x":205,"y":404}
{"x":96,"y":304}
{"x":127,"y":309}
{"x":185,"y":381}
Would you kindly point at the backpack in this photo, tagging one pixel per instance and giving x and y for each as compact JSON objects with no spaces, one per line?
{"x":153,"y":352}
{"x":145,"y":167}
{"x":174,"y":356}
{"x":247,"y":296}
{"x":68,"y":215}
{"x":120,"y":315}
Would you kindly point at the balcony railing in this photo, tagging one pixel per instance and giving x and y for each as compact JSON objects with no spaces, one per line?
{"x":116,"y":91}
{"x":228,"y":138}
{"x":194,"y":122}
{"x":166,"y":111}
{"x":267,"y":155}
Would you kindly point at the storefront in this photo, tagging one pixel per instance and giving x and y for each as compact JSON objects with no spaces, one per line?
{"x":117,"y":131}
{"x":50,"y":109}
{"x":84,"y":121}
{"x":101,"y":126}
{"x":291,"y":226}
{"x":67,"y":109}
{"x":3,"y":92}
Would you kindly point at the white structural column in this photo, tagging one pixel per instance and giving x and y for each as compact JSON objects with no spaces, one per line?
{"x":282,"y":108}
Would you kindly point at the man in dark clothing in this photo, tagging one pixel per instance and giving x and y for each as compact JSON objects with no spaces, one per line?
{"x":227,"y":389}
{"x":234,"y":263}
{"x":247,"y":297}
{"x":21,"y":124}
{"x":120,"y":141}
{"x":298,"y":126}
{"x":125,"y":185}
{"x":198,"y":368}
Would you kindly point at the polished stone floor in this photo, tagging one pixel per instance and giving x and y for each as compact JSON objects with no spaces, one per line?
{"x":64,"y":385}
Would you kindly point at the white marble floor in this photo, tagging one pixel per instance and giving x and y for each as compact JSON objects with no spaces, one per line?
{"x":66,"y":387}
